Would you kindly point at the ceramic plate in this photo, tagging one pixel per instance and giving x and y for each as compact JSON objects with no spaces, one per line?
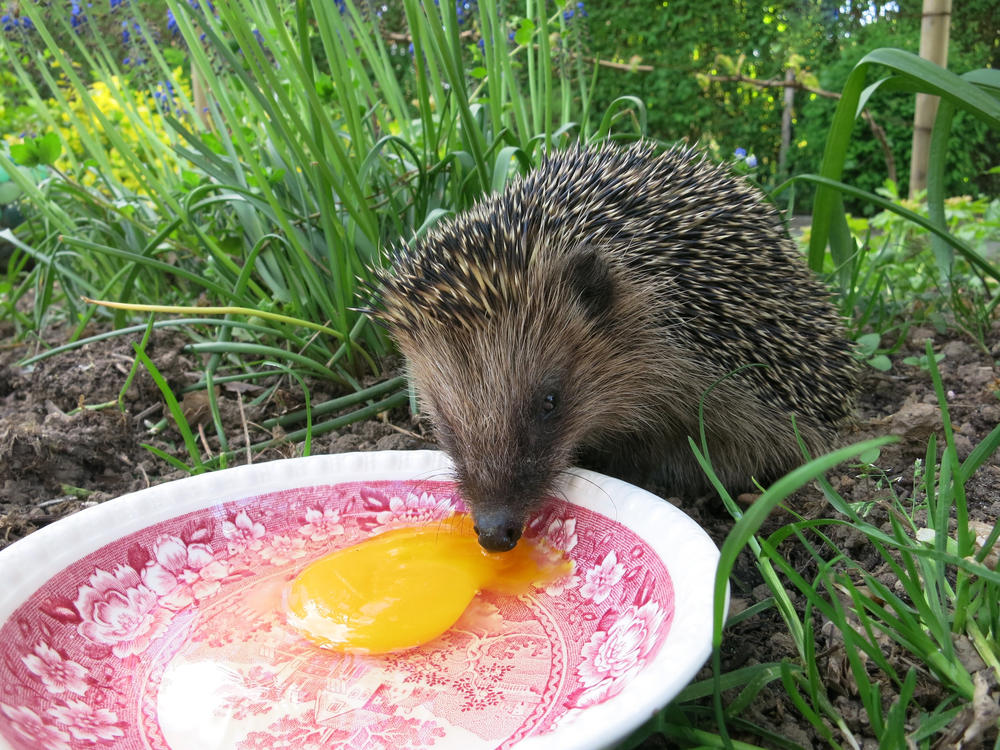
{"x":154,"y":620}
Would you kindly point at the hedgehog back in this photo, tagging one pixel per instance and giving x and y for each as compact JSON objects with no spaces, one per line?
{"x":731,"y":286}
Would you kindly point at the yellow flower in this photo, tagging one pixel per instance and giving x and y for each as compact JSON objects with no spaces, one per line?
{"x":132,"y":116}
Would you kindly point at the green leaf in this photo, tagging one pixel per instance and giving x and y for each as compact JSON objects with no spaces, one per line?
{"x":49,"y":148}
{"x":523,"y":34}
{"x":869,"y":456}
{"x":35,"y":151}
{"x":212,"y":141}
{"x":24,"y":154}
{"x":9,"y":192}
{"x":868,"y":343}
{"x":881,"y":363}
{"x":912,"y":74}
{"x":175,"y":410}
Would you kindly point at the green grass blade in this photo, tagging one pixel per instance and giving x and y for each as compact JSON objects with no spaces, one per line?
{"x":175,"y":410}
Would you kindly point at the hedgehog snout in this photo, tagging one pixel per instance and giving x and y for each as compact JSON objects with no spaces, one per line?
{"x":498,"y":529}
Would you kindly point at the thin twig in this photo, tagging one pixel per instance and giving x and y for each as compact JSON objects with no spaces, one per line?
{"x":766,"y":83}
{"x":877,"y":130}
{"x":246,"y":430}
{"x":404,"y":431}
{"x":618,"y":66}
{"x":204,"y":440}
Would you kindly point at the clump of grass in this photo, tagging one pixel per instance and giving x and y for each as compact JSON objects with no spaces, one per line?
{"x":299,"y":142}
{"x":932,"y":620}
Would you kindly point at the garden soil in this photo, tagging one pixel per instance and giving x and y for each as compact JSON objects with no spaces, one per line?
{"x":70,"y":438}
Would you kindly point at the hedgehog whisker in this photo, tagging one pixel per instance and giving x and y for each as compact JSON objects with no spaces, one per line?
{"x":562,"y":494}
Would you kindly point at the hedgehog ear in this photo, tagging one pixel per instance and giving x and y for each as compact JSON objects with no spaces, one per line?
{"x":589,"y":277}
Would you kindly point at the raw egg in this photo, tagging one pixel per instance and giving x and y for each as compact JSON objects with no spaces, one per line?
{"x":406,"y":587}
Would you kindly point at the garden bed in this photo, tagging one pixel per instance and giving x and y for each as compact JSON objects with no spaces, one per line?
{"x":57,"y":458}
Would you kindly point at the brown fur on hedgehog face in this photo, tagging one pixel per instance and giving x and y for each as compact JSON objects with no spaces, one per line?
{"x":515,"y":396}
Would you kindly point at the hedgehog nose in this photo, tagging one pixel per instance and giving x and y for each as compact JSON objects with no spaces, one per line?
{"x":497,"y":531}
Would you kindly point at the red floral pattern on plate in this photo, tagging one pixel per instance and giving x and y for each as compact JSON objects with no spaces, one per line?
{"x":174,"y":637}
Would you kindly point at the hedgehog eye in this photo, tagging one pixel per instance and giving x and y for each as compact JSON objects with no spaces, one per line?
{"x":548,"y":405}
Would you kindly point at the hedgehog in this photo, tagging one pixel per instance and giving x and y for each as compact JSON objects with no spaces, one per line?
{"x":588,"y":312}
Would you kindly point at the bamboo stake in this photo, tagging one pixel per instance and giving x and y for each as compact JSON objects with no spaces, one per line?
{"x":934,"y":27}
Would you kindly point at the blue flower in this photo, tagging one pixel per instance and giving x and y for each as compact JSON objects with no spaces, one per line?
{"x":751,"y":161}
{"x":740,"y":153}
{"x":125,"y":34}
{"x":165,"y":99}
{"x":172,"y":22}
{"x":571,"y":13}
{"x":76,"y":15}
{"x":7,"y":23}
{"x":463,"y":9}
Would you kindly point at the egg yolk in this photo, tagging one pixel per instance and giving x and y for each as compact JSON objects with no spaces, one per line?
{"x":406,"y":587}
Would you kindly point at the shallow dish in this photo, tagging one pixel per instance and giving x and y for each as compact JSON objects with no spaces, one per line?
{"x":154,"y":620}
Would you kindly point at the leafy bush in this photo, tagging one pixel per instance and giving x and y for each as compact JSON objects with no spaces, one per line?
{"x":760,"y":41}
{"x":135,"y":115}
{"x":970,"y":154}
{"x":900,"y":284}
{"x":680,"y":106}
{"x":126,"y":30}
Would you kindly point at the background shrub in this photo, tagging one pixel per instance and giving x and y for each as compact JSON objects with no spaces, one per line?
{"x":822,"y":41}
